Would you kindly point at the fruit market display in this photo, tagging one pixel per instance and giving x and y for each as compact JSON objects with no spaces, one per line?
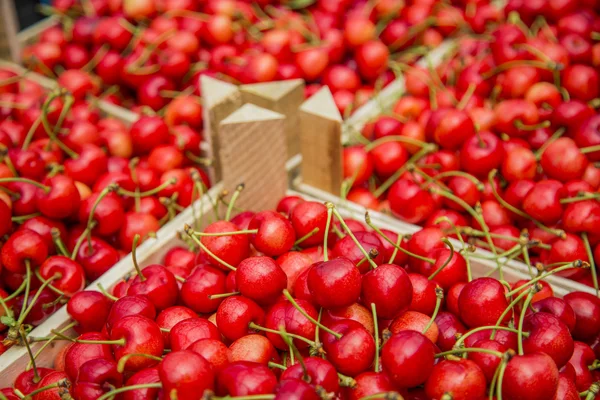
{"x":492,"y":154}
{"x":300,"y":303}
{"x":75,"y":188}
{"x":502,"y":140}
{"x":145,"y":52}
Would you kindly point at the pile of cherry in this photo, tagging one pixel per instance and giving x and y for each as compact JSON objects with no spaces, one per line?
{"x":299,"y":303}
{"x":500,"y":143}
{"x":148,"y":50}
{"x":75,"y":189}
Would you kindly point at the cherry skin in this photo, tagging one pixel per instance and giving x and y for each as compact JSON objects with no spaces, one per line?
{"x":235,"y":314}
{"x":482,"y":301}
{"x":90,"y":309}
{"x":260,"y":279}
{"x":461,"y":379}
{"x":169,"y":317}
{"x":79,"y":353}
{"x":407,"y":358}
{"x":190,"y":330}
{"x":204,"y":281}
{"x":530,"y":376}
{"x":142,"y":336}
{"x":346,"y":247}
{"x":354,"y":352}
{"x":71,"y":275}
{"x":26,"y":381}
{"x":557,"y":307}
{"x":293,"y":264}
{"x":449,"y":326}
{"x":158,"y":284}
{"x":320,"y":371}
{"x":334,"y":283}
{"x":488,"y":363}
{"x":295,"y":389}
{"x":389,"y":288}
{"x":185,"y":374}
{"x":61,"y":201}
{"x":306,"y":217}
{"x":229,"y":248}
{"x":371,"y":383}
{"x":587,"y":314}
{"x":244,"y":378}
{"x":562,"y":160}
{"x":275,"y":234}
{"x":549,"y":335}
{"x":214,"y":351}
{"x":130,"y":305}
{"x":284,"y":314}
{"x":254,"y":348}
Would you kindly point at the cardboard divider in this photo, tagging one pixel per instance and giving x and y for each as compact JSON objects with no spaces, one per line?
{"x":321,"y":142}
{"x":253,"y":152}
{"x":283,"y":97}
{"x":9,"y":26}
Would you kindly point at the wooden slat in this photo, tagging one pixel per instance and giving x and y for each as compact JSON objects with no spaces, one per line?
{"x":9,"y":26}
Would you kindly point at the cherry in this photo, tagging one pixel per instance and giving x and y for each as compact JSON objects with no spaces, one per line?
{"x":449,"y":327}
{"x":320,"y":371}
{"x":587,"y":314}
{"x":284,"y":314}
{"x":306,"y":217}
{"x":389,"y":288}
{"x":190,"y":330}
{"x":145,"y":376}
{"x":488,"y":363}
{"x":354,"y":351}
{"x":244,"y":378}
{"x":334,"y":283}
{"x":185,"y":374}
{"x":55,"y":393}
{"x":531,"y":376}
{"x":549,"y":335}
{"x":80,"y":353}
{"x":24,"y":249}
{"x":410,"y":202}
{"x":130,"y":305}
{"x":416,"y":321}
{"x":423,"y":294}
{"x":407,"y":358}
{"x":295,"y":389}
{"x":204,"y":281}
{"x":581,"y":81}
{"x":482,"y":301}
{"x":583,"y":356}
{"x":254,"y":348}
{"x":147,"y":133}
{"x":358,"y":165}
{"x":461,"y":379}
{"x":234,"y":315}
{"x":27,"y":381}
{"x":71,"y":277}
{"x":229,"y":248}
{"x":96,"y":375}
{"x":90,"y":309}
{"x":542,"y":202}
{"x":214,"y":351}
{"x":557,"y":307}
{"x":260,"y":279}
{"x":293,"y":264}
{"x":158,"y":283}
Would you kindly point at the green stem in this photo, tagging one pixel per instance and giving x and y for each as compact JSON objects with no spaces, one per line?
{"x":123,"y":389}
{"x":256,"y":327}
{"x":534,"y":289}
{"x":445,"y":264}
{"x":351,"y":234}
{"x":190,"y":232}
{"x":468,"y":350}
{"x":288,"y":296}
{"x":439,"y":296}
{"x":234,"y":197}
{"x":326,"y":235}
{"x":25,"y":180}
{"x":376,"y":329}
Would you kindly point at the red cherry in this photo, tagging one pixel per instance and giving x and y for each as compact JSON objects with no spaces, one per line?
{"x":353,"y":353}
{"x":190,"y":330}
{"x":185,"y":374}
{"x":407,"y":358}
{"x":482,"y":301}
{"x":90,"y":309}
{"x":518,"y":380}
{"x":461,"y":379}
{"x":334,"y":283}
{"x":389,"y":288}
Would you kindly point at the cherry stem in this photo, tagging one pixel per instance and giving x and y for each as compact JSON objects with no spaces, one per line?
{"x":60,"y":246}
{"x":427,"y":148}
{"x":234,"y":198}
{"x":439,"y":296}
{"x":509,"y":308}
{"x":288,"y":296}
{"x":524,"y":127}
{"x":384,"y":395}
{"x":501,"y":369}
{"x":396,"y":246}
{"x":25,"y":180}
{"x":222,"y":295}
{"x":61,"y":383}
{"x":466,"y":96}
{"x":519,"y":63}
{"x":308,"y":235}
{"x":30,"y":133}
{"x":574,"y":264}
{"x":272,"y":364}
{"x":461,"y":174}
{"x":151,"y":192}
{"x":48,"y":282}
{"x":590,"y":149}
{"x":351,"y":234}
{"x":190,"y":232}
{"x":559,"y":132}
{"x":106,"y":294}
{"x":326,"y":235}
{"x":27,"y":289}
{"x":590,"y":255}
{"x":491,"y":175}
{"x":468,"y":350}
{"x":86,"y":233}
{"x":460,"y":340}
{"x":534,"y":289}
{"x":582,"y":197}
{"x":244,"y":232}
{"x":126,"y":357}
{"x":249,"y":397}
{"x":51,"y":133}
{"x":445,"y":264}
{"x":118,"y":342}
{"x":393,"y":138}
{"x":112,"y":393}
{"x":138,"y":270}
{"x":376,"y":329}
{"x":256,"y":327}
{"x":36,"y":376}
